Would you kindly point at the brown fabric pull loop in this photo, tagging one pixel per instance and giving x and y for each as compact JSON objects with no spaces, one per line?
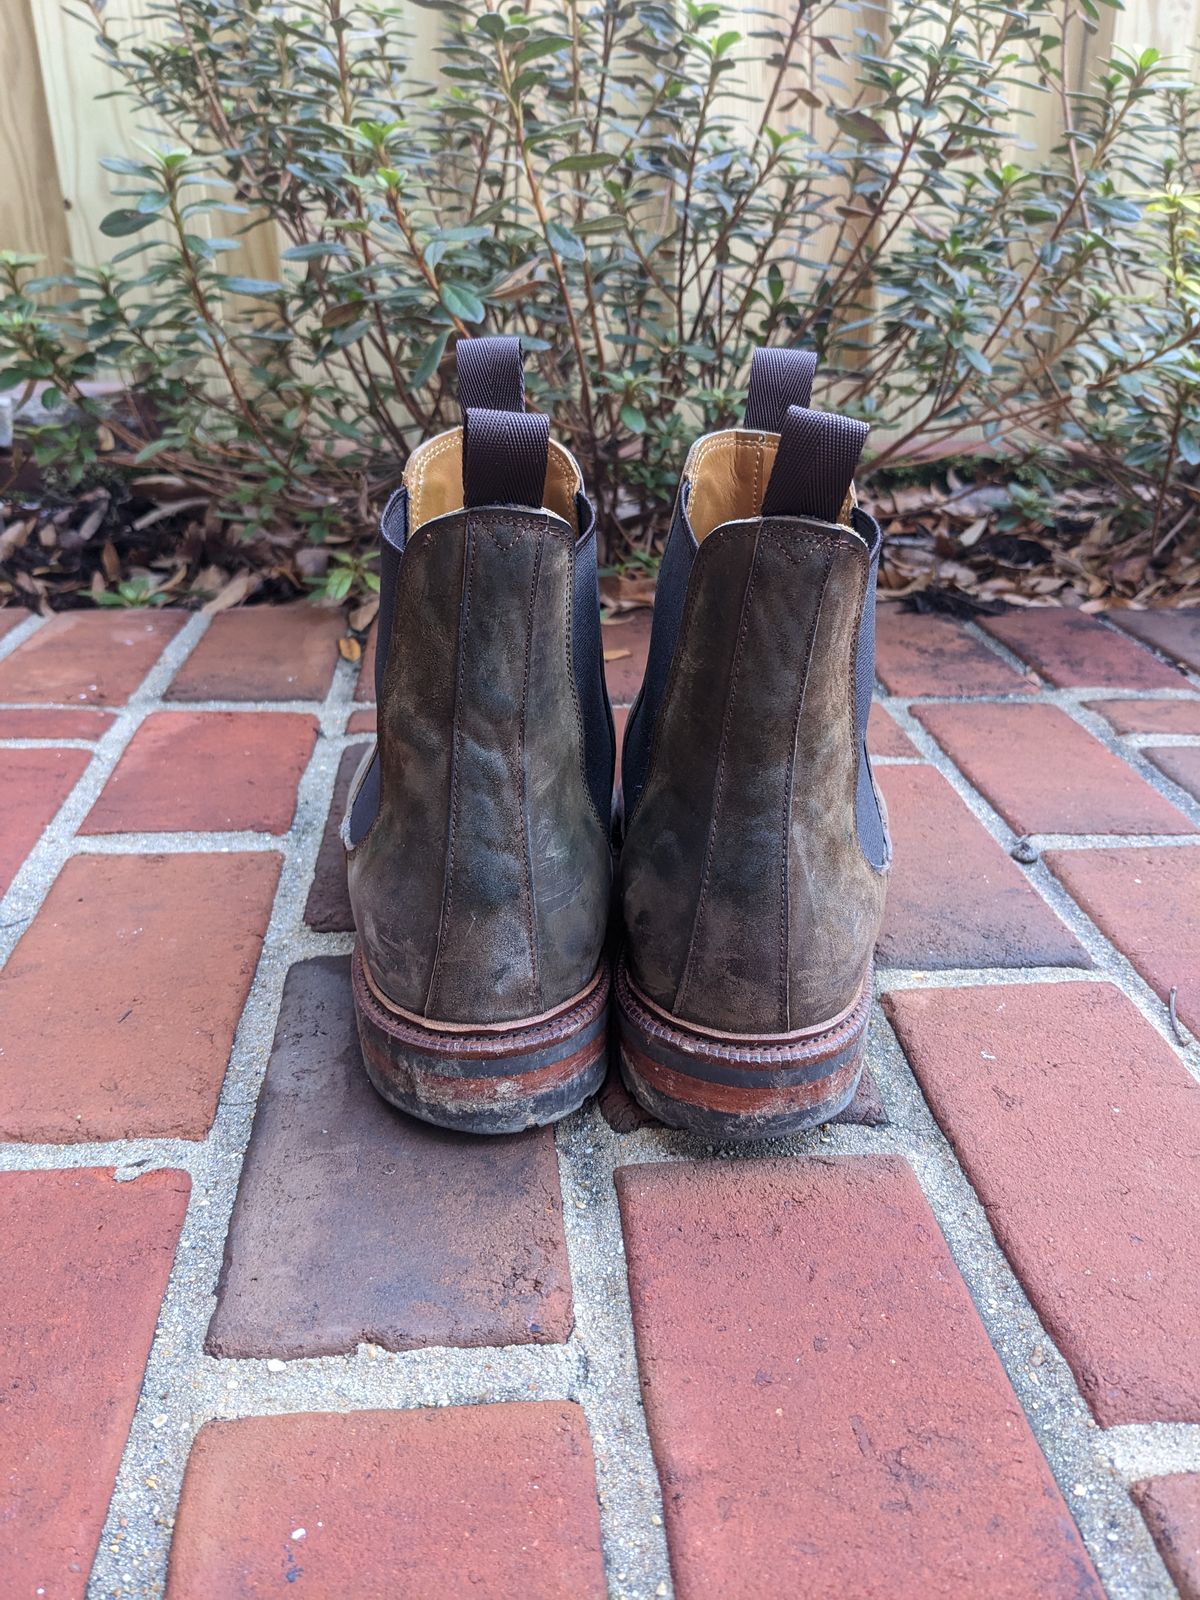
{"x":780,"y":376}
{"x":504,"y":457}
{"x":491,"y":374}
{"x":814,"y":466}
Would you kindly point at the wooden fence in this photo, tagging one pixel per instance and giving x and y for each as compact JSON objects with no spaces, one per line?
{"x":55,"y":123}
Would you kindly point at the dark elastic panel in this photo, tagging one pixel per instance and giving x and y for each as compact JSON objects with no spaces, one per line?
{"x":393,"y":532}
{"x":587,"y":656}
{"x":779,"y":377}
{"x":504,"y":457}
{"x":491,"y":374}
{"x":670,"y":597}
{"x":393,"y":535}
{"x":814,"y":467}
{"x":871,"y":832}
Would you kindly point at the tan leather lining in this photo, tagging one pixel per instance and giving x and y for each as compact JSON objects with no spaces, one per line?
{"x":728,"y":474}
{"x":433,"y":478}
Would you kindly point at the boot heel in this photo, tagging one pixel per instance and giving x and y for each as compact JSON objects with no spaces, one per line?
{"x":495,"y":1079}
{"x":724,"y":1086}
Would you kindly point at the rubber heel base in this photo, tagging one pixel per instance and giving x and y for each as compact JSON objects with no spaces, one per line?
{"x":738,"y":1089}
{"x":496,"y":1081}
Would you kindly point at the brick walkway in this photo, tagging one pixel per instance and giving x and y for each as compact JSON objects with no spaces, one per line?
{"x":948,"y":1346}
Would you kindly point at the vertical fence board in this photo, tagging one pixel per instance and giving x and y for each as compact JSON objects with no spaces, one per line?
{"x":31,"y":203}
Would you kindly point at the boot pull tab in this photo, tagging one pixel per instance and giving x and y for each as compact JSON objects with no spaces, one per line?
{"x":504,"y":457}
{"x":780,"y":376}
{"x":505,"y":447}
{"x":491,"y":374}
{"x":814,"y":466}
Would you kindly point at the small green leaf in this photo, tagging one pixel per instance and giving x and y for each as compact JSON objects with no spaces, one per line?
{"x":429,"y":361}
{"x":314,"y":251}
{"x":583,"y":163}
{"x":117,"y":224}
{"x":564,"y":242}
{"x":633,"y":418}
{"x":462,"y":302}
{"x":863,"y":129}
{"x":260,"y":287}
{"x":977,"y":360}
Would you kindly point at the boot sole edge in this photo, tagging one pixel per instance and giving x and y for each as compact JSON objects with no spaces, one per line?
{"x":706,"y":1084}
{"x":496,"y":1081}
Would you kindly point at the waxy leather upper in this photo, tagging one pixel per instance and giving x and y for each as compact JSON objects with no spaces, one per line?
{"x":480,"y":890}
{"x":749,"y":901}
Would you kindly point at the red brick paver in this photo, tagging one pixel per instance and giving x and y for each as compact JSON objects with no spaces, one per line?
{"x":626,"y":639}
{"x":84,"y":1261}
{"x":361,"y":722}
{"x":927,"y":654}
{"x":88,"y":657}
{"x":491,"y":1501}
{"x":328,"y":906}
{"x":826,"y":1412}
{"x":1046,"y":774}
{"x":956,"y":899}
{"x":353,"y":1222}
{"x":884,"y":737}
{"x":185,"y":771}
{"x":1073,"y":650}
{"x":1176,"y":633}
{"x":263,"y":653}
{"x":1148,"y":903}
{"x":1171,"y":1507}
{"x":1149,"y":716}
{"x":118,"y":1006}
{"x":1180,"y":763}
{"x":50,"y":724}
{"x":1078,"y":1128}
{"x":34,"y":784}
{"x":12,"y":617}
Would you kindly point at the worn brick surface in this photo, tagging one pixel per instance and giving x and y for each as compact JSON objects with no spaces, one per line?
{"x":185,"y":771}
{"x":328,"y":906}
{"x":12,"y":617}
{"x":626,"y":639}
{"x":1171,"y":1507}
{"x":491,"y":1501}
{"x":918,"y":654}
{"x":34,"y":784}
{"x":1046,"y":774}
{"x":1149,"y":716}
{"x":51,"y":724}
{"x":119,"y":1004}
{"x":263,"y":653}
{"x":1181,"y":764}
{"x":1079,"y":1130}
{"x":884,"y":736}
{"x":1174,"y":632}
{"x":361,"y":722}
{"x":354,"y":1222}
{"x":88,"y":657}
{"x":956,"y":899}
{"x":826,"y":1412}
{"x":1148,"y":903}
{"x":84,"y":1261}
{"x":1072,"y":650}
{"x":624,"y":1115}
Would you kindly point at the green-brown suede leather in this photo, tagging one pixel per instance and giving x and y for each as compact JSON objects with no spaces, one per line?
{"x":480,"y":891}
{"x":748,"y":903}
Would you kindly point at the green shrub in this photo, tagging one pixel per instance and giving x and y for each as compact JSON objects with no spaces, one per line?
{"x":594,"y":175}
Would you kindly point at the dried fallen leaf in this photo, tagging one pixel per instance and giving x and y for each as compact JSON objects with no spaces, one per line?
{"x":350,"y":649}
{"x":363,"y":616}
{"x":617,"y":655}
{"x":234,"y":592}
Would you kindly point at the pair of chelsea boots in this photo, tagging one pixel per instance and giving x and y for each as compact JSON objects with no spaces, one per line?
{"x":748,"y":888}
